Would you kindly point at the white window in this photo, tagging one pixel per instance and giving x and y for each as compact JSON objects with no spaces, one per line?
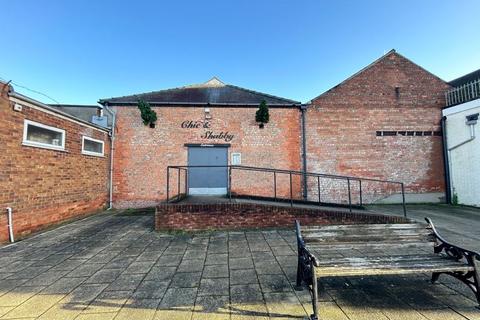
{"x":236,"y":159}
{"x":39,"y":135}
{"x":92,"y":147}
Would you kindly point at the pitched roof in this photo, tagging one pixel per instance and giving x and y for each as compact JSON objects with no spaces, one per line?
{"x":84,"y":112}
{"x":213,"y":92}
{"x":472,"y":76}
{"x":389,"y":53}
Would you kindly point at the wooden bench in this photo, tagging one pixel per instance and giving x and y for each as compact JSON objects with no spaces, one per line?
{"x":380,"y":249}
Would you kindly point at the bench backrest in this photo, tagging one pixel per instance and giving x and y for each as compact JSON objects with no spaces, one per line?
{"x":359,"y":235}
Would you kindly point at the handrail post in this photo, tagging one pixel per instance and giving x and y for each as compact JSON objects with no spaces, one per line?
{"x":186,"y":183}
{"x":360,"y":186}
{"x":291,"y":191}
{"x":230,"y":183}
{"x":349,"y":195}
{"x":178,"y":184}
{"x":168,"y":183}
{"x":403,"y":200}
{"x":275,"y":185}
{"x":318,"y":185}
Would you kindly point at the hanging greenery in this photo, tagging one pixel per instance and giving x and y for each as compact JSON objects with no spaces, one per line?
{"x":262,"y":114}
{"x":148,"y":115}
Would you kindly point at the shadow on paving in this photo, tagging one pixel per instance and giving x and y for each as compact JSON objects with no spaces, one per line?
{"x":117,"y":267}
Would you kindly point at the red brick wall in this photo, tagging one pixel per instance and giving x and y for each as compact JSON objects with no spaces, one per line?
{"x":342,"y":125}
{"x":42,"y":186}
{"x":249,"y":215}
{"x":142,"y":154}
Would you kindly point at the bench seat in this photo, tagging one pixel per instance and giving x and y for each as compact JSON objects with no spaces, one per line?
{"x":380,"y":249}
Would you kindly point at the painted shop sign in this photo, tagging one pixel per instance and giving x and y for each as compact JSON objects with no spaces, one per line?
{"x":209,"y":134}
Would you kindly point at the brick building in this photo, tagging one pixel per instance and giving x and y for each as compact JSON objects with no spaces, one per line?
{"x":53,"y":166}
{"x":206,"y":124}
{"x":383,"y":123}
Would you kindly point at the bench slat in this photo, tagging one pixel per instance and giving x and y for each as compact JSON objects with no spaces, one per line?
{"x":364,"y":226}
{"x":368,"y":272}
{"x":366,"y":245}
{"x":399,"y":267}
{"x":383,"y":259}
{"x":368,"y":238}
{"x":366,"y":232}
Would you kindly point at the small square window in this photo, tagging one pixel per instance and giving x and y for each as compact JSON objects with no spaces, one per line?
{"x":39,"y":135}
{"x":236,"y":159}
{"x":92,"y":147}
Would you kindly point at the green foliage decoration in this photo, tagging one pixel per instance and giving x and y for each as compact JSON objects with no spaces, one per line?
{"x":262,"y":115}
{"x":148,"y":115}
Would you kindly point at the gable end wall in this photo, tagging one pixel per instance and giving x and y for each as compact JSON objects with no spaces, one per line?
{"x":342,"y":125}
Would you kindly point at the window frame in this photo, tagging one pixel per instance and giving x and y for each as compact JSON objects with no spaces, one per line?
{"x":26,"y":142}
{"x":91,"y":153}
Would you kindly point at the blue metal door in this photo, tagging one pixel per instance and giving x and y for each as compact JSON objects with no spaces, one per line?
{"x":207,"y":181}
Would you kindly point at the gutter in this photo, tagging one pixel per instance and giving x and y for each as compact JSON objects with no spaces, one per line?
{"x":112,"y":149}
{"x":193,"y":104}
{"x":303,"y":109}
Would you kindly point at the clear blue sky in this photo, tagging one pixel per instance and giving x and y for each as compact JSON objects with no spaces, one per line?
{"x":80,"y":51}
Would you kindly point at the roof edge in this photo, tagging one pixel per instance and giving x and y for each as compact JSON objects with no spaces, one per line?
{"x":193,"y":104}
{"x":464,"y":76}
{"x":393,"y":51}
{"x":287,"y":101}
{"x":263,"y":94}
{"x":74,"y":105}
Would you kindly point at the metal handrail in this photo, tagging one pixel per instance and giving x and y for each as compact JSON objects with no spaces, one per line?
{"x":349,"y":179}
{"x":288,"y":171}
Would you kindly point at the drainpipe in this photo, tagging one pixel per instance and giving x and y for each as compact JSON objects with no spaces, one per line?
{"x":112,"y":149}
{"x":10,"y":225}
{"x":446,"y":161}
{"x":471,"y":121}
{"x":303,"y":109}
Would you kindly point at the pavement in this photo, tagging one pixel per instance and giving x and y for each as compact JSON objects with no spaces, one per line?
{"x":457,"y":224}
{"x":115,"y":266}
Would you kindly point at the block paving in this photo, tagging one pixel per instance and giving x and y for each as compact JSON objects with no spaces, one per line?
{"x":114,"y":266}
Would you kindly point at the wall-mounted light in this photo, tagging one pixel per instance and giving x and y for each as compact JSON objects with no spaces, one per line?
{"x":472,"y":119}
{"x":208,"y":115}
{"x":17,"y":107}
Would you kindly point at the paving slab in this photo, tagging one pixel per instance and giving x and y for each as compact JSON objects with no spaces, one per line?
{"x":116,"y":267}
{"x":186,"y":280}
{"x":214,"y":287}
{"x":243,"y":276}
{"x":215,"y":271}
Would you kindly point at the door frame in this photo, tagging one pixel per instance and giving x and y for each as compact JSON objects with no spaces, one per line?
{"x":208,"y":191}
